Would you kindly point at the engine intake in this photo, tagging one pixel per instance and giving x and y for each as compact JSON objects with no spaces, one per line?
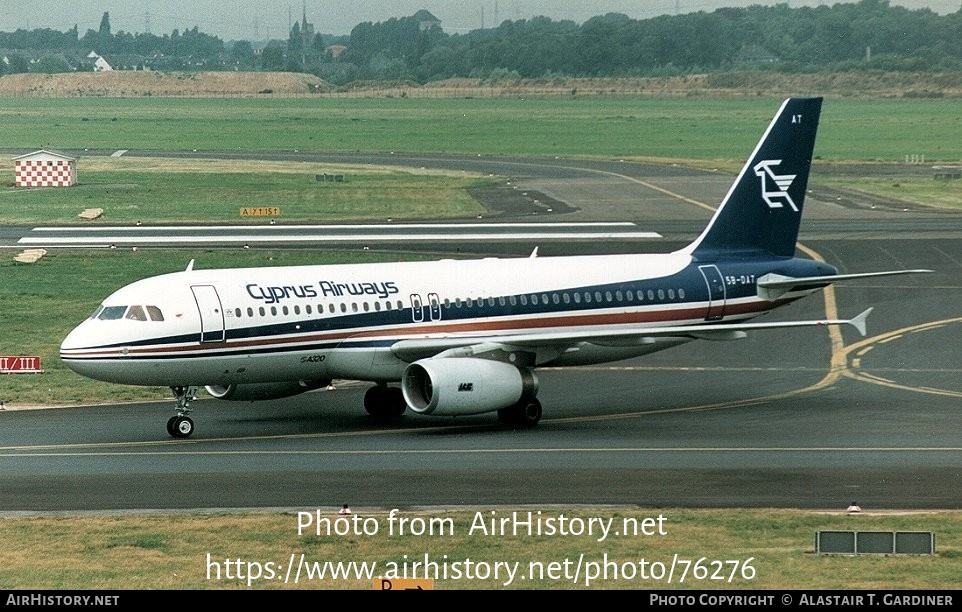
{"x":463,"y":385}
{"x":264,"y":391}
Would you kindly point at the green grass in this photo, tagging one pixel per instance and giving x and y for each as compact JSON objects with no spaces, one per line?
{"x":695,"y":130}
{"x":774,"y":550}
{"x":214,"y":191}
{"x":691,"y":128}
{"x":945,"y":194}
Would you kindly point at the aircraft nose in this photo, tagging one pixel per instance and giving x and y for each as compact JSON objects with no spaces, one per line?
{"x":79,"y":352}
{"x":76,"y":340}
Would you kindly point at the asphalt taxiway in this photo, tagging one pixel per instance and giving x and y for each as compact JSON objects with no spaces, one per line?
{"x":786,"y":418}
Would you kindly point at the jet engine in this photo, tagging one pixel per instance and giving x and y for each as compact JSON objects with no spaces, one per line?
{"x":264,"y":391}
{"x":464,"y":385}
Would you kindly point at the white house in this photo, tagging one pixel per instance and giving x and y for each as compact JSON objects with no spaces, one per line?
{"x":100,"y":64}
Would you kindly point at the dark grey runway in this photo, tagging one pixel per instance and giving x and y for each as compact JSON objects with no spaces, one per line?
{"x":761,"y":422}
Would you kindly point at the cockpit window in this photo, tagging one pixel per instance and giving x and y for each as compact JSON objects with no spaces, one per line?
{"x":130,"y":313}
{"x":111,"y":313}
{"x":155,"y":313}
{"x":136,"y":313}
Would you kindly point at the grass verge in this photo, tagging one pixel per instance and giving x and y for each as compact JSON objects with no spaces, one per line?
{"x":760,"y":549}
{"x":159,"y":191}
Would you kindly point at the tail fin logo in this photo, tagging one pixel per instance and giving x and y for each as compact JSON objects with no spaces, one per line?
{"x":775,"y":187}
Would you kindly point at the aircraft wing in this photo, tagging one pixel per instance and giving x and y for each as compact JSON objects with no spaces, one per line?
{"x":413,"y":349}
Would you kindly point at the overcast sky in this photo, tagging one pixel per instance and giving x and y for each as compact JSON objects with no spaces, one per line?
{"x":261,"y":19}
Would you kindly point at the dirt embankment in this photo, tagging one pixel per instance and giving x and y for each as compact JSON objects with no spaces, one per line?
{"x":150,"y":83}
{"x":176,"y":84}
{"x":846,"y":84}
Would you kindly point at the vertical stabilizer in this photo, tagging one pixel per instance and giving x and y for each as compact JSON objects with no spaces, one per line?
{"x":763,"y":208}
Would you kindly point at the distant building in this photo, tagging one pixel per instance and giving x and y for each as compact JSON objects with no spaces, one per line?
{"x":755,"y":55}
{"x":307,"y":37}
{"x":307,"y":31}
{"x":45,"y":169}
{"x":426,"y":20}
{"x":100,"y":64}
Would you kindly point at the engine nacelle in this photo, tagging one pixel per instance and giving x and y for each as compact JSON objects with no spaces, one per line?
{"x":464,"y":385}
{"x":264,"y":391}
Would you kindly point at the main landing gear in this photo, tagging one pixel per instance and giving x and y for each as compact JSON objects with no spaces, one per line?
{"x":383,"y":401}
{"x":180,"y":425}
{"x":525,"y":413}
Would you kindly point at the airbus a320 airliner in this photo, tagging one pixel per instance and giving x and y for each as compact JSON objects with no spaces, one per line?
{"x":466,"y":336}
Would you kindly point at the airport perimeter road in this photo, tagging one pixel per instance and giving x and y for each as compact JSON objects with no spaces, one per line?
{"x":802,"y":418}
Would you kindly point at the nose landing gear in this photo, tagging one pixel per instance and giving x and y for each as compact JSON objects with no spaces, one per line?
{"x":180,"y":425}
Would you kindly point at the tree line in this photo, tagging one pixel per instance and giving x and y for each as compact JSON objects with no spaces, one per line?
{"x":843,"y":36}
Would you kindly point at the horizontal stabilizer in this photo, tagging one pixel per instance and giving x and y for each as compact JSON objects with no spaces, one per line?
{"x":859,"y":321}
{"x":773,"y":286}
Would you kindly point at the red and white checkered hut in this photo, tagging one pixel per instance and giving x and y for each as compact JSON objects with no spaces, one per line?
{"x":45,"y":169}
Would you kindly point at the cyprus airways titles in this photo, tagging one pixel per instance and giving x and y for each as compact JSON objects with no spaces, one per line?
{"x":275,"y":294}
{"x":467,"y":336}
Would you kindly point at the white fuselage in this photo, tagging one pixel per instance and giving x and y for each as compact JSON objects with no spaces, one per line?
{"x":255,"y":325}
